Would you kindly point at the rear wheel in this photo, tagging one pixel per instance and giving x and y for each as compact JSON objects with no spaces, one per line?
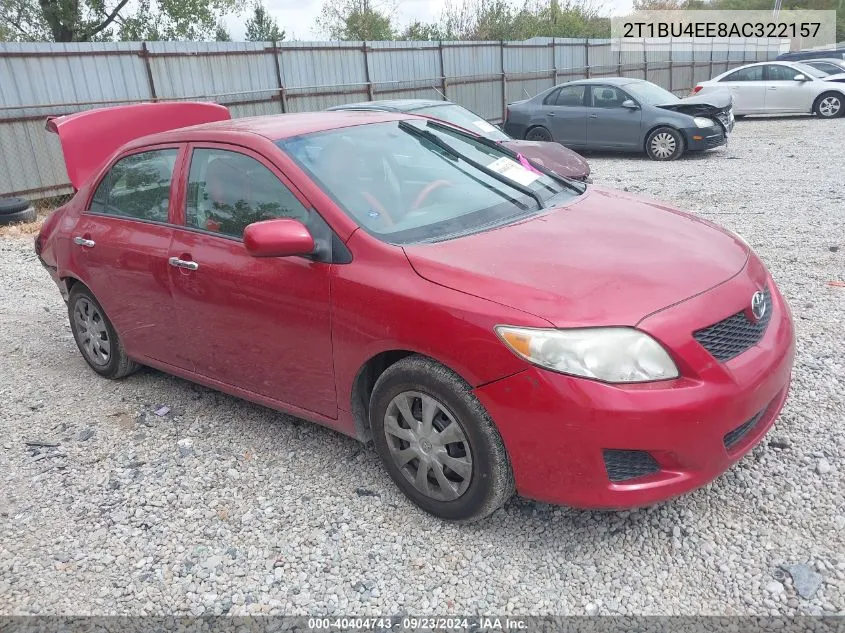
{"x":829,"y":105}
{"x":539,"y":134}
{"x":437,"y":442}
{"x":95,"y":336}
{"x":664,"y":143}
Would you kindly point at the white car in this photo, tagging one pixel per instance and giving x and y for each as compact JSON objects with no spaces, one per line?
{"x":779,"y":88}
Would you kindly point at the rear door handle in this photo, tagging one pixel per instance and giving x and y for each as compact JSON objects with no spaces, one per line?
{"x":183,"y":263}
{"x":81,"y":241}
{"x":772,"y":88}
{"x":594,"y":116}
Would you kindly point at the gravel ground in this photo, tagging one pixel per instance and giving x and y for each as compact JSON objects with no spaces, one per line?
{"x":220,"y":506}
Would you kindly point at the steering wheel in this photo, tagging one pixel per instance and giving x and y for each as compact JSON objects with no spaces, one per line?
{"x":427,"y":191}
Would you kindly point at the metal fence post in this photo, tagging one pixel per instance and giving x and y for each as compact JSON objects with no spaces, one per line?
{"x":145,"y":55}
{"x":671,"y":69}
{"x":277,"y":51}
{"x":587,"y":57}
{"x":554,"y":60}
{"x":367,"y":72}
{"x":442,"y":70}
{"x":504,"y":78}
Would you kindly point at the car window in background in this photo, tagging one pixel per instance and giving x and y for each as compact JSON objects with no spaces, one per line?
{"x":754,"y":73}
{"x":463,"y":118}
{"x":650,"y":93}
{"x":570,"y":96}
{"x":827,"y":68}
{"x":404,"y":188}
{"x":809,"y":70}
{"x":606,"y":97}
{"x":137,"y":186}
{"x":228,"y":191}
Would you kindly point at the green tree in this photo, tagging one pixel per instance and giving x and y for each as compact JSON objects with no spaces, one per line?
{"x":98,"y":20}
{"x":420,"y":31}
{"x":356,"y":20}
{"x":262,"y":27}
{"x":221,"y":34}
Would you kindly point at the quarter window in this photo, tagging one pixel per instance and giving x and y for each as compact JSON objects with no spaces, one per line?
{"x":137,"y":186}
{"x":753,"y":73}
{"x":228,"y":191}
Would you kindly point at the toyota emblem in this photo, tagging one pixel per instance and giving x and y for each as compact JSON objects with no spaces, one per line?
{"x":758,"y":305}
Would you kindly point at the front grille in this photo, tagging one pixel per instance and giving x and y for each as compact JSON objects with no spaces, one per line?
{"x":734,"y":437}
{"x":626,"y":465}
{"x":730,"y":337}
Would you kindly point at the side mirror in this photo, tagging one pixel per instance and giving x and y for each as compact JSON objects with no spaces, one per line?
{"x":800,"y":77}
{"x":630,"y":104}
{"x":278,"y":238}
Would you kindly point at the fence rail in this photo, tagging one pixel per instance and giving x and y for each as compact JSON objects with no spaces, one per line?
{"x":257,"y":78}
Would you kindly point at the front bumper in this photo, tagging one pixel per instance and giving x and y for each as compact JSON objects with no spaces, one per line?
{"x":558,"y":428}
{"x":702,"y":138}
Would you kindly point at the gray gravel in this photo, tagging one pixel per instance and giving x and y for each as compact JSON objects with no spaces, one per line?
{"x":221,"y":506}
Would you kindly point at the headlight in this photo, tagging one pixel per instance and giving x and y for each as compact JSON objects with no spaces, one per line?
{"x":611,"y":354}
{"x":701,"y":121}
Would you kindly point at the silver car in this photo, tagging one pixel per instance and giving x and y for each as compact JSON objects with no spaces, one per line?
{"x":779,"y":88}
{"x":622,"y":114}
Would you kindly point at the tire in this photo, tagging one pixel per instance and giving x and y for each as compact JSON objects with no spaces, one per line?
{"x":86,"y":314}
{"x":14,"y":217}
{"x":829,"y":105}
{"x":664,"y":143}
{"x":539,"y":133}
{"x":13,"y":205}
{"x":482,"y":480}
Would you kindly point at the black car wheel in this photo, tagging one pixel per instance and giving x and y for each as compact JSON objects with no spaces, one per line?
{"x":437,"y":442}
{"x":664,"y":143}
{"x":95,"y":336}
{"x":539,"y":134}
{"x":828,"y":105}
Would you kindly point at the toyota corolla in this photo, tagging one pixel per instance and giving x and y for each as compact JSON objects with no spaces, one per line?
{"x":491,"y":326}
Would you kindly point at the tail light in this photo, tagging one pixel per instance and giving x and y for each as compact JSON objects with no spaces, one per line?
{"x":696,"y":89}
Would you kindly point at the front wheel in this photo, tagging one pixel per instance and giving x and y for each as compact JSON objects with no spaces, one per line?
{"x":437,"y":442}
{"x":664,"y":143}
{"x":95,"y":336}
{"x":828,"y":105}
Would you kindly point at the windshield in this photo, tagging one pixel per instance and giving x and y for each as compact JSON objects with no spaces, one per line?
{"x":809,"y":70}
{"x":410,"y":181}
{"x":650,"y":93}
{"x":463,"y":118}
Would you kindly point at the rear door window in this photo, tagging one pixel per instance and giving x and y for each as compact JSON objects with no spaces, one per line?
{"x":137,"y":186}
{"x":754,"y":73}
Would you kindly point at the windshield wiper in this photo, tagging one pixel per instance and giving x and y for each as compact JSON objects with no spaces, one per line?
{"x":483,"y":140}
{"x":436,"y":140}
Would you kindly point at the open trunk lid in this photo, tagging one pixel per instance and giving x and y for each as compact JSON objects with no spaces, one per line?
{"x":88,"y":138}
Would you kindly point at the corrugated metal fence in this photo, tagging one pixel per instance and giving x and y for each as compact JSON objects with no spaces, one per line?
{"x":252,"y":78}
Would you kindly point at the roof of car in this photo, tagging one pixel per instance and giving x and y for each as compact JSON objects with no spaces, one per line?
{"x":612,"y":81}
{"x":392,"y":105}
{"x":835,"y":60}
{"x":273,"y":127}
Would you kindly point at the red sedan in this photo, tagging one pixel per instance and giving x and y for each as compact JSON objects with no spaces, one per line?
{"x":491,"y":326}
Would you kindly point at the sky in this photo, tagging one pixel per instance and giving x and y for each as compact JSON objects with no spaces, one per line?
{"x":297,"y":17}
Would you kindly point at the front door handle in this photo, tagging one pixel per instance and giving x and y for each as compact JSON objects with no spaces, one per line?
{"x":183,"y":263}
{"x":772,"y":88}
{"x":81,"y":241}
{"x":594,"y":116}
{"x":550,"y":114}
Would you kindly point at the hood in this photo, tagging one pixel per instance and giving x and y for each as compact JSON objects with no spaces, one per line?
{"x":839,"y":77}
{"x":702,"y":105}
{"x":552,"y":156}
{"x":89,"y":138}
{"x":609,"y":258}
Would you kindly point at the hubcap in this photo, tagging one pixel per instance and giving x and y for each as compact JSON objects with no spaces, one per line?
{"x":829,"y":106}
{"x":428,"y":445}
{"x":91,"y":332}
{"x":663,"y":145}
